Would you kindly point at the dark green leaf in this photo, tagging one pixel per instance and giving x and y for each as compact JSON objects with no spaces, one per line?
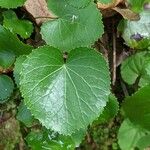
{"x":137,"y":107}
{"x":6,"y":87}
{"x":9,"y":42}
{"x":22,"y":27}
{"x":109,"y":111}
{"x":74,"y":27}
{"x":24,"y":115}
{"x":6,"y":59}
{"x":43,"y":140}
{"x":65,"y":96}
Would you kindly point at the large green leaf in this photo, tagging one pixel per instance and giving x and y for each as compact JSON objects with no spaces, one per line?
{"x":65,"y":96}
{"x":135,"y":66}
{"x":137,"y":107}
{"x":74,"y":27}
{"x":136,"y":33}
{"x":11,"y":3}
{"x":6,"y":59}
{"x":10,"y":42}
{"x":129,"y":135}
{"x":48,"y":140}
{"x":6,"y":87}
{"x":22,"y":27}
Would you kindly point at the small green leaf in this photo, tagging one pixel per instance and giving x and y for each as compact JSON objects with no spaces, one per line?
{"x":136,"y":33}
{"x":6,"y":87}
{"x":9,"y":42}
{"x":134,"y":67}
{"x":137,"y":5}
{"x":143,"y":142}
{"x":11,"y":4}
{"x":24,"y":115}
{"x":65,"y":96}
{"x":46,"y":139}
{"x":137,"y":107}
{"x":22,"y":27}
{"x":18,"y":68}
{"x":129,"y":135}
{"x":74,"y":27}
{"x":109,"y":111}
{"x":6,"y":59}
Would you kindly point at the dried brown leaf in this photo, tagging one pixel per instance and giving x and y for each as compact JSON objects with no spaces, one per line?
{"x":39,"y":10}
{"x":127,"y":13}
{"x":110,"y":5}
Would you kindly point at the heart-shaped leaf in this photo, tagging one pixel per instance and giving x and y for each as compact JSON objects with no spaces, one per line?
{"x":65,"y":96}
{"x":11,"y":4}
{"x":74,"y":27}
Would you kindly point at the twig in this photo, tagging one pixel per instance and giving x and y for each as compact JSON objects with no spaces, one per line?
{"x":125,"y":91}
{"x":46,"y":17}
{"x":114,"y":59}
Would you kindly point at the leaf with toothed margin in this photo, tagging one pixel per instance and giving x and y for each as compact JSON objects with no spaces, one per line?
{"x":74,"y":27}
{"x":11,"y":3}
{"x":6,"y":87}
{"x":65,"y":96}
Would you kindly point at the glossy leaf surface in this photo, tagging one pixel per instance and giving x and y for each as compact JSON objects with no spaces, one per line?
{"x":65,"y":96}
